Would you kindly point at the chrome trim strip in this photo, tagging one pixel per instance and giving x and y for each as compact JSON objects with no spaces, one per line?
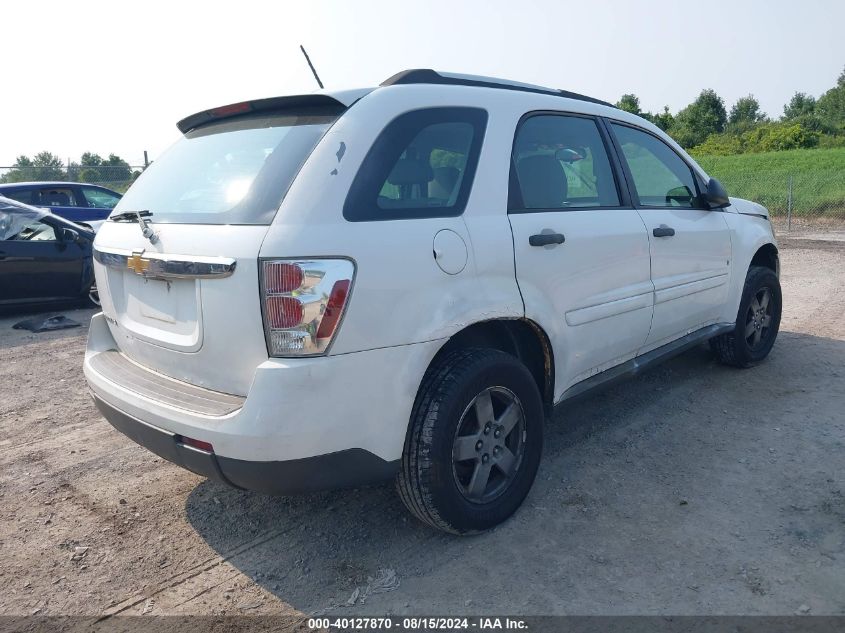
{"x":164,"y":266}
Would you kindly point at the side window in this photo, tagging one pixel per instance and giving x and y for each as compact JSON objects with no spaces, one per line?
{"x":40,"y":232}
{"x":23,"y":195}
{"x":661,"y":177}
{"x":100,"y":199}
{"x":560,"y":162}
{"x":32,"y":232}
{"x":421,"y":166}
{"x":54,"y":197}
{"x":22,"y":224}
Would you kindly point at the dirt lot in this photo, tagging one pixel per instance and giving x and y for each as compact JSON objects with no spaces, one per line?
{"x":693,"y":489}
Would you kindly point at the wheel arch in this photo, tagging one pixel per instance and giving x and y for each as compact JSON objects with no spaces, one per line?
{"x":767,"y":256}
{"x":522,"y":338}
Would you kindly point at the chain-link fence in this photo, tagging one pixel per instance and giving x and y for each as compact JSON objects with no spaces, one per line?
{"x":116,"y":177}
{"x":799,"y":202}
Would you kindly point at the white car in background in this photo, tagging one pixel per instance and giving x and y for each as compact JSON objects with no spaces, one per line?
{"x":340,"y":288}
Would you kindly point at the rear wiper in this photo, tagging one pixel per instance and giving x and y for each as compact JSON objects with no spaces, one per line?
{"x":131,"y":216}
{"x":141,"y":218}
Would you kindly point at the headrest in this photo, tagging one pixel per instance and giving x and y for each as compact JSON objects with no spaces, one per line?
{"x":57,"y":198}
{"x":410,"y":171}
{"x":542,"y":181}
{"x":446,"y":177}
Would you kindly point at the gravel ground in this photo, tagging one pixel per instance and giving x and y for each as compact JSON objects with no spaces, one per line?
{"x":693,"y":489}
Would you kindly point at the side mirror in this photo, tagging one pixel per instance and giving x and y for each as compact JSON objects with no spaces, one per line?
{"x":568,"y":155}
{"x":715,"y":195}
{"x":682,"y":195}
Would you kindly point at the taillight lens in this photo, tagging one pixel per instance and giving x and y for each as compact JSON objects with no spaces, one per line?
{"x":283,"y":278}
{"x":303,"y":302}
{"x":283,"y":312}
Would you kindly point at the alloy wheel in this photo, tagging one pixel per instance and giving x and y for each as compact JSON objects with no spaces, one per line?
{"x":489,"y":445}
{"x":758,"y":319}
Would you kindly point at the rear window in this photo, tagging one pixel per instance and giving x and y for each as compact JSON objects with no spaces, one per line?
{"x":236,"y":171}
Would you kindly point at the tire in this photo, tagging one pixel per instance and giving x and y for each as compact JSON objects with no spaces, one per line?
{"x":92,"y":298}
{"x":448,"y":451}
{"x":757,"y":323}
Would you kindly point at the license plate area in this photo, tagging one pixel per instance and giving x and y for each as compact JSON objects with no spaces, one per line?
{"x":163,"y":312}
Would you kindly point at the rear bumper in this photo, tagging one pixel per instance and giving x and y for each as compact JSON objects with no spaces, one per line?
{"x":351,"y":467}
{"x":305,"y":424}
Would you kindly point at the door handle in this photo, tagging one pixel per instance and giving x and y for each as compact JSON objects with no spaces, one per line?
{"x":546,"y":239}
{"x":663,"y":231}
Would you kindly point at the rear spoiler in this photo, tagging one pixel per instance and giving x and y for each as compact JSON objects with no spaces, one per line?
{"x":260,"y":105}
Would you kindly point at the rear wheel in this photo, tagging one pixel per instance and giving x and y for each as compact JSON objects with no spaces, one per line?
{"x":474,"y":441}
{"x":757,"y":322}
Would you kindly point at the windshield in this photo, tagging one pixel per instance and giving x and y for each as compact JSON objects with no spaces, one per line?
{"x":233,"y":172}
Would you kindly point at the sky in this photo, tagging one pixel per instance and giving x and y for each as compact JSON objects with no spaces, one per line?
{"x":114,"y":77}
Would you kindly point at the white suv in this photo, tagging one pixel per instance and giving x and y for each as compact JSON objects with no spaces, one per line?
{"x":335,"y":289}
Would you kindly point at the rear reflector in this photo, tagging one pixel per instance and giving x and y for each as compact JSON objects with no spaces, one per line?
{"x":203,"y":446}
{"x":303,"y":303}
{"x":334,"y":308}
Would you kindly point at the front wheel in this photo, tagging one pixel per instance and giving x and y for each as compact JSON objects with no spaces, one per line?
{"x":757,"y":321}
{"x":474,"y":441}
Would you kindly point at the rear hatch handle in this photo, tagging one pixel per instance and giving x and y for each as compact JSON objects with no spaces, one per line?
{"x":166,"y":266}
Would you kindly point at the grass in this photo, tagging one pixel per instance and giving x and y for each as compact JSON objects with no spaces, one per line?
{"x":818,"y":179}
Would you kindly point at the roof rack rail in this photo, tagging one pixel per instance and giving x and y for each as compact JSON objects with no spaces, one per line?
{"x":429,"y":76}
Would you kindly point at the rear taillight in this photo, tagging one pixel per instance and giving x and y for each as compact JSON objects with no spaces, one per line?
{"x":283,"y":312}
{"x":283,"y":278}
{"x":303,"y":302}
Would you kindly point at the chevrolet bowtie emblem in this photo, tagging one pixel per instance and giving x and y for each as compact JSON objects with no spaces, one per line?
{"x":138,"y":264}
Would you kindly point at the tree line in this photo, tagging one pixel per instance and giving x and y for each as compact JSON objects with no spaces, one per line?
{"x":706,"y":127}
{"x":91,"y":167}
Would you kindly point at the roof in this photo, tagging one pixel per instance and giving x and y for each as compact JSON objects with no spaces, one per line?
{"x":429,"y":76}
{"x":342,"y":99}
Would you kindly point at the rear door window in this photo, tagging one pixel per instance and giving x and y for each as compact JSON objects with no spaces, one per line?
{"x":21,"y":195}
{"x":421,"y":166}
{"x":54,"y":197}
{"x":560,"y":162}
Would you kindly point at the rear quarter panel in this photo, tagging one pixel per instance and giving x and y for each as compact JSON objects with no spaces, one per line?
{"x":400,"y":295}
